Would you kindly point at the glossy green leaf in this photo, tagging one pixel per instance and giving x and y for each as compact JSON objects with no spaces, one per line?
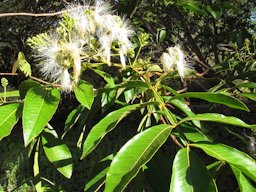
{"x":25,"y":86}
{"x":189,"y":174}
{"x":243,"y":182}
{"x":133,"y":155}
{"x":215,"y":98}
{"x":39,"y":106}
{"x":57,"y":152}
{"x":84,"y":94}
{"x":106,"y":125}
{"x":9,"y":116}
{"x":10,"y":94}
{"x":234,"y":157}
{"x":129,"y":95}
{"x":191,"y":133}
{"x":251,"y":85}
{"x":99,"y":175}
{"x":215,"y":167}
{"x":72,"y":119}
{"x":219,"y":118}
{"x":108,"y":78}
{"x":185,"y":108}
{"x":158,"y":171}
{"x":36,"y":169}
{"x":251,"y":96}
{"x":108,"y":98}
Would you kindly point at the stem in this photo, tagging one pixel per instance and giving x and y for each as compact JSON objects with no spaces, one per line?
{"x":9,"y":74}
{"x":163,"y":107}
{"x":174,"y":139}
{"x":137,"y":55}
{"x":42,"y":14}
{"x":36,"y":167}
{"x":4,"y":94}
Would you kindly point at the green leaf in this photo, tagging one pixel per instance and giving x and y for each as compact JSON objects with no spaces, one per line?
{"x":129,"y":95}
{"x":216,"y":98}
{"x":39,"y":106}
{"x":9,"y":116}
{"x":36,"y":169}
{"x":215,"y":167}
{"x":25,"y":68}
{"x":234,"y":157}
{"x":108,"y":99}
{"x":251,"y":85}
{"x":215,"y":14}
{"x":10,"y":94}
{"x":251,"y":96}
{"x":161,"y":35}
{"x":158,"y":172}
{"x":22,"y":64}
{"x":99,"y":175}
{"x":72,"y":119}
{"x":227,"y":5}
{"x":106,"y":125}
{"x":185,"y":108}
{"x":194,"y":6}
{"x":108,"y":78}
{"x":243,"y":182}
{"x":219,"y":118}
{"x":189,"y":174}
{"x":84,"y":94}
{"x":191,"y":134}
{"x":25,"y":86}
{"x":133,"y":155}
{"x":57,"y":152}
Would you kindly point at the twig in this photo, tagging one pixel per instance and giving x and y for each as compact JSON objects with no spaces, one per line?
{"x":200,"y":63}
{"x":9,"y":74}
{"x":31,"y":77}
{"x":182,"y":90}
{"x":42,"y":81}
{"x":174,"y":139}
{"x":40,"y":14}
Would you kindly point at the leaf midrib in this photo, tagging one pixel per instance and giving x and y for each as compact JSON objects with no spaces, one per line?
{"x":9,"y":116}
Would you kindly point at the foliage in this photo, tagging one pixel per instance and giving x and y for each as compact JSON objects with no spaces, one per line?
{"x":136,"y":82}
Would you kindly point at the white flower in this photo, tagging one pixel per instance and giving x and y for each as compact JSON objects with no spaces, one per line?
{"x":102,"y":8}
{"x":56,"y":58}
{"x":98,"y":23}
{"x":167,"y":63}
{"x":175,"y":58}
{"x":114,"y":30}
{"x":105,"y":49}
{"x":122,"y":58}
{"x":65,"y":81}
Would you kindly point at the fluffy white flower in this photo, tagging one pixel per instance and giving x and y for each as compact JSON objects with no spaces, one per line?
{"x":175,"y":58}
{"x":102,"y":8}
{"x":65,"y":81}
{"x":114,"y":30}
{"x":167,"y":62}
{"x":91,"y":28}
{"x":55,"y":60}
{"x":105,"y":50}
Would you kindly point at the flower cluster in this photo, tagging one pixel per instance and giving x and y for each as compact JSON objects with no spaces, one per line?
{"x":84,"y":33}
{"x":175,"y":59}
